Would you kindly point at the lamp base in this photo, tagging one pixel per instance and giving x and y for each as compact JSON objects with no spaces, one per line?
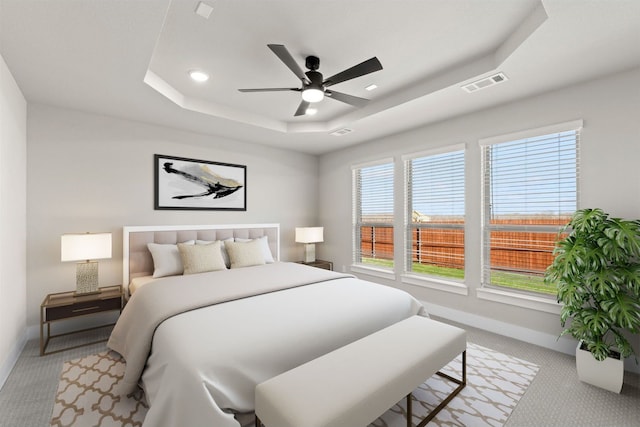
{"x":86,"y":277}
{"x":309,"y":252}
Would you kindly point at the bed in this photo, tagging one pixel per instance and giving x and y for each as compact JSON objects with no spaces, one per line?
{"x":198,"y":343}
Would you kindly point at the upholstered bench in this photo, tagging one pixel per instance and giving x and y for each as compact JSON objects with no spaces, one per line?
{"x":354,"y":385}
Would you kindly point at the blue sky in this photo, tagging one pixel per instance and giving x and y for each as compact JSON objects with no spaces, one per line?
{"x":530,"y":176}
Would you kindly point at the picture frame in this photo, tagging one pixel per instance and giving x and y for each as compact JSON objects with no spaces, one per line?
{"x":191,"y":184}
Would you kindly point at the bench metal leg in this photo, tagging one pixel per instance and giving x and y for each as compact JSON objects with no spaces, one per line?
{"x":461,"y":384}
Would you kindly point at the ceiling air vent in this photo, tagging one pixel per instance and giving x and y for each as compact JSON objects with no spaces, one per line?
{"x":485,"y":83}
{"x":341,"y":132}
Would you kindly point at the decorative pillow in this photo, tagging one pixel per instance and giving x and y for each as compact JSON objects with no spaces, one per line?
{"x":223,"y":248}
{"x":245,"y":254}
{"x":264,"y":244}
{"x":166,"y":259}
{"x":201,"y":258}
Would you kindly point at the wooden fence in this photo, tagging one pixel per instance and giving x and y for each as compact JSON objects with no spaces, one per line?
{"x":444,"y":247}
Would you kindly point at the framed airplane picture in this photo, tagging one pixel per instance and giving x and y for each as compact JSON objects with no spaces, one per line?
{"x":191,"y":184}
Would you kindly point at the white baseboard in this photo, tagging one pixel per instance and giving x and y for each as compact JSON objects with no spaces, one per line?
{"x":10,"y":361}
{"x":565,"y":344}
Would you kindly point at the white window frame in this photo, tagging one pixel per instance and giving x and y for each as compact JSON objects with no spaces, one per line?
{"x":357,"y":266}
{"x":422,"y":279}
{"x":487,"y":291}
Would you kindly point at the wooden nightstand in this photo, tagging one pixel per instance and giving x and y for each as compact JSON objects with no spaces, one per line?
{"x":68,"y":305}
{"x":327,"y":265}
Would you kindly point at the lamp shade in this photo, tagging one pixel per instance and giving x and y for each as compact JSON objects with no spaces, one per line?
{"x":309,"y":234}
{"x":87,"y":246}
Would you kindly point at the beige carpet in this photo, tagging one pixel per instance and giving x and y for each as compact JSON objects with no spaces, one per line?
{"x":495,"y":384}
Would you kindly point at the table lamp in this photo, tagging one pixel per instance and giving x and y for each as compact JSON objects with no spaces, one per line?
{"x":86,"y":247}
{"x":309,"y":236}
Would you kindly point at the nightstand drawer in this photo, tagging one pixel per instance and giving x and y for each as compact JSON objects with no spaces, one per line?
{"x":82,"y":308}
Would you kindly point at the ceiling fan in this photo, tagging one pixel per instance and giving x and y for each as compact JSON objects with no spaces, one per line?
{"x":314,"y":88}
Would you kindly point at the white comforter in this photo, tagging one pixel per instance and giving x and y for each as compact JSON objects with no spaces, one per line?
{"x":205,"y":363}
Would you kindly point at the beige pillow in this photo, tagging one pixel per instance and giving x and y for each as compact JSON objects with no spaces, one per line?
{"x":225,"y":255}
{"x":245,"y":254}
{"x":201,"y":258}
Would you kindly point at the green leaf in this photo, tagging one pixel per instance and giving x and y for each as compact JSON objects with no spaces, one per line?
{"x":587,"y":220}
{"x":597,"y":321}
{"x":571,"y":293}
{"x":626,"y":235}
{"x":605,"y":282}
{"x":623,"y":345}
{"x":624,"y":310}
{"x":599,"y":349}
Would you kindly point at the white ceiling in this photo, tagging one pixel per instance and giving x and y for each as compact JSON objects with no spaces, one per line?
{"x":130,"y":58}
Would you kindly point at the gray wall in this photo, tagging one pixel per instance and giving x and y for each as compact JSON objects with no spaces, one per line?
{"x":13,"y":204}
{"x":94,"y":173}
{"x":610,"y":150}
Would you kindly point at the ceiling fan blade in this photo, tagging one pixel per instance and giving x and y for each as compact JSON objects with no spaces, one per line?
{"x":284,"y":55}
{"x":302,"y":109}
{"x":363,"y":68}
{"x":270,"y":89}
{"x":347,"y":99}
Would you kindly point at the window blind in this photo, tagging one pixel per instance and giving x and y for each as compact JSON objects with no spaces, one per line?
{"x":530,"y":191}
{"x":434,"y":222}
{"x":373,"y":215}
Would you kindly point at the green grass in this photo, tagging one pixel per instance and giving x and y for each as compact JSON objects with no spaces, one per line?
{"x":377,"y":262}
{"x":522,"y":282}
{"x":452,"y":273}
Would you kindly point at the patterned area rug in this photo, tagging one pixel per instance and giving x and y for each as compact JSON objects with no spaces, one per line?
{"x":495,"y":384}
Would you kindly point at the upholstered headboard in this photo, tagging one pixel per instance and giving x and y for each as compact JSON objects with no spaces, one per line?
{"x":136,"y":258}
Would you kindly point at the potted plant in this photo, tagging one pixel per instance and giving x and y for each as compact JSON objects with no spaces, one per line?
{"x":597,"y":273}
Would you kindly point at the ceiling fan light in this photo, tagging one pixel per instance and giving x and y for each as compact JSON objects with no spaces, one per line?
{"x":311,"y":111}
{"x":312,"y":95}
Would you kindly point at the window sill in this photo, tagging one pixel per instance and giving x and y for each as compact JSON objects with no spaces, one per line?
{"x":436,"y":283}
{"x":372,"y":271}
{"x":531,"y":302}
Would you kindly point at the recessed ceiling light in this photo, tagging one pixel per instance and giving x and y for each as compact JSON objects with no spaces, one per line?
{"x":199,"y":76}
{"x":204,"y":10}
{"x":371,"y":87}
{"x":311,"y":111}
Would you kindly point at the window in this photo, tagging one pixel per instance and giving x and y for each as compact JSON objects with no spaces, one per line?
{"x":434,"y":219}
{"x":530,"y":191}
{"x":373,"y":215}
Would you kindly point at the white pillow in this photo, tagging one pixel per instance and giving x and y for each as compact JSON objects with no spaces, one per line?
{"x":245,"y":254}
{"x":166,"y":259}
{"x":264,"y":244}
{"x":225,"y":255}
{"x":201,"y":258}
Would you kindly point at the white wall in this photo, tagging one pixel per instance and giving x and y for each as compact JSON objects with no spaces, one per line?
{"x":610,"y":151}
{"x":95,"y":173}
{"x":13,"y":203}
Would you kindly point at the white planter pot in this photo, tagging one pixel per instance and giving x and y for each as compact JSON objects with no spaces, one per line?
{"x":607,"y":374}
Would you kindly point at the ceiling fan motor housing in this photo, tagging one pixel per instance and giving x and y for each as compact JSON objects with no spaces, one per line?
{"x":312,"y":63}
{"x":315,"y":79}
